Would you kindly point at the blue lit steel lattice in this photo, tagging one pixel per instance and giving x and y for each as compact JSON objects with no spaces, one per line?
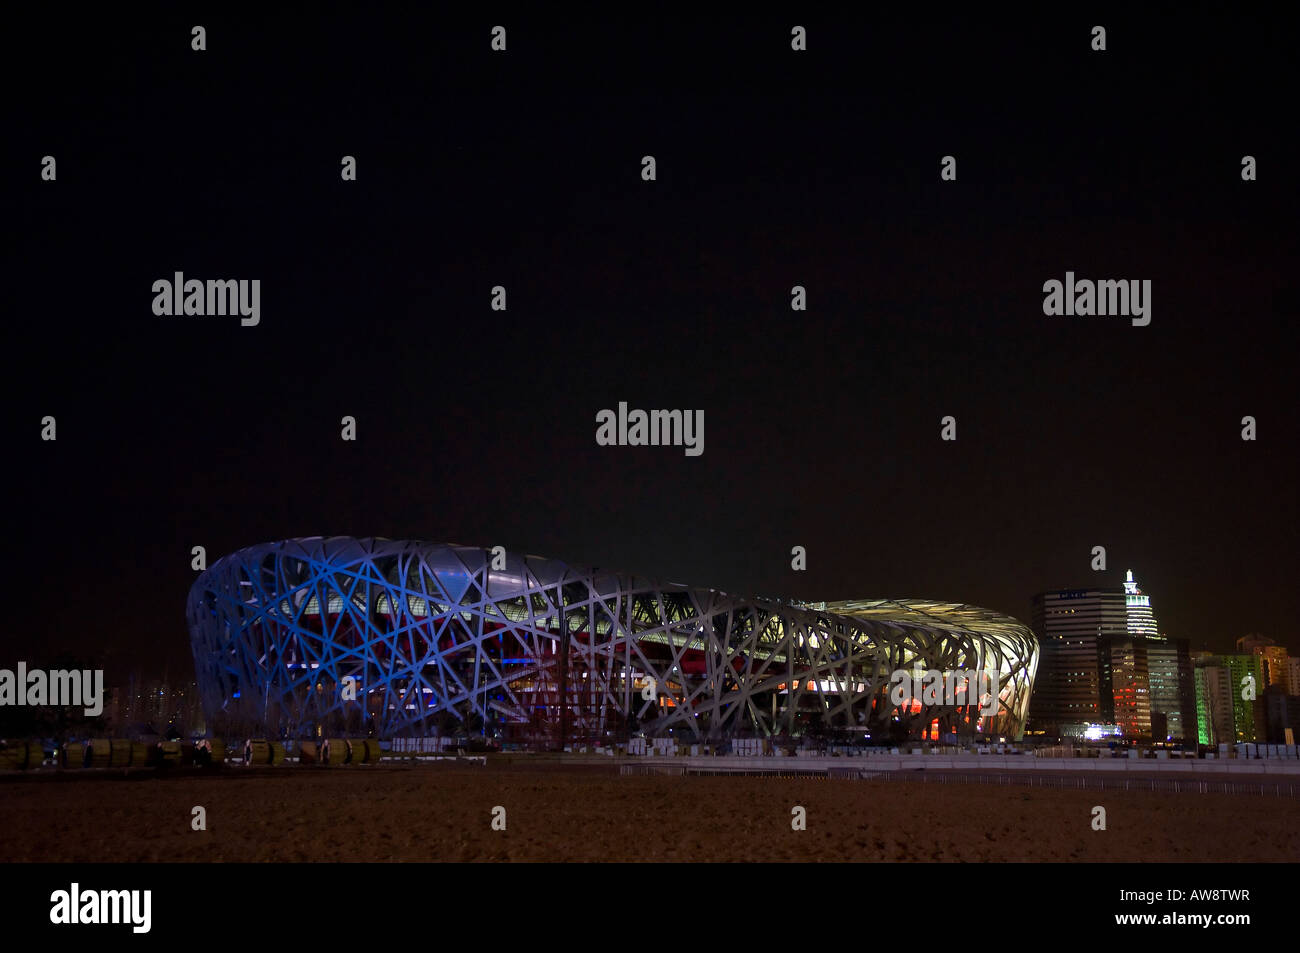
{"x":433,"y":636}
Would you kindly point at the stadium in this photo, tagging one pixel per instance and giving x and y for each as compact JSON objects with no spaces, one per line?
{"x":402,"y":639}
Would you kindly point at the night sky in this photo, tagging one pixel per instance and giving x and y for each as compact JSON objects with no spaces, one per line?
{"x":775,"y":168}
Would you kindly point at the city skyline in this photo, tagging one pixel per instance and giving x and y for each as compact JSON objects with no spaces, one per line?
{"x":121,"y":662}
{"x":1135,"y":655}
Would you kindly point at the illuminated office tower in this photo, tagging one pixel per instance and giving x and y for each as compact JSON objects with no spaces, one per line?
{"x":1096,"y":664}
{"x":1071,"y":625}
{"x":1137,"y":609}
{"x":1245,"y":671}
{"x":1275,"y":659}
{"x":1173,"y":690}
{"x":1213,"y":702}
{"x":1125,"y":668}
{"x":1230,"y":685}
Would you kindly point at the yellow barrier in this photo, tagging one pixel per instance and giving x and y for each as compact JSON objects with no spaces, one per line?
{"x":101,"y":752}
{"x":338,"y":751}
{"x":119,"y":753}
{"x":20,"y":755}
{"x":172,"y":753}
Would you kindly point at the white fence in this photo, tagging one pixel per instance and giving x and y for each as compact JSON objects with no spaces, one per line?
{"x":423,"y":745}
{"x":1254,"y":751}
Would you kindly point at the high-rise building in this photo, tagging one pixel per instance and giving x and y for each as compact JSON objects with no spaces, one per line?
{"x":1125,"y":668}
{"x":1070,"y":625}
{"x":1246,"y":671}
{"x":1281,"y":712}
{"x":1173,"y":689}
{"x":1275,"y":658}
{"x":1249,"y":643}
{"x":1227,"y":687}
{"x":1099,"y":647}
{"x":1152,"y":687}
{"x":1213,"y":702}
{"x":1137,"y":609}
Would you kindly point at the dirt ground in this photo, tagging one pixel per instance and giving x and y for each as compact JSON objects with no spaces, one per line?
{"x":444,"y":813}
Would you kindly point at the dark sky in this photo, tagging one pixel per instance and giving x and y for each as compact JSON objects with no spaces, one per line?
{"x":775,"y":168}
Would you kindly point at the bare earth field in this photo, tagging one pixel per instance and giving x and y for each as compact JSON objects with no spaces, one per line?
{"x":443,"y":812}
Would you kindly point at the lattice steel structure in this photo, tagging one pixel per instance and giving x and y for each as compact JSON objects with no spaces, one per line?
{"x":417,"y":638}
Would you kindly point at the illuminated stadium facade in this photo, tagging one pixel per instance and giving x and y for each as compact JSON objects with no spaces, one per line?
{"x":409,"y":638}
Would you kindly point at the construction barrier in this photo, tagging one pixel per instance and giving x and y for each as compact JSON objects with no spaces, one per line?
{"x":268,"y":752}
{"x":261,"y":752}
{"x":119,"y":753}
{"x":339,"y":751}
{"x":173,"y":754}
{"x":122,"y":753}
{"x":21,"y":755}
{"x":101,"y":753}
{"x":108,"y":753}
